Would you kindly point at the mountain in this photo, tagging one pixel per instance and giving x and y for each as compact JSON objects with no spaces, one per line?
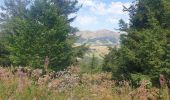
{"x":98,"y":38}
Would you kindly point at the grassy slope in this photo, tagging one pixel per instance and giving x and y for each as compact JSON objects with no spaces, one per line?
{"x":71,"y":85}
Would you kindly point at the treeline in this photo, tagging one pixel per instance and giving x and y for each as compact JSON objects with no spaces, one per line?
{"x":33,"y":30}
{"x":144,"y":51}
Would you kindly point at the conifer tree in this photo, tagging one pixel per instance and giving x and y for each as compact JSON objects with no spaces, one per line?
{"x":38,"y":29}
{"x":144,"y":50}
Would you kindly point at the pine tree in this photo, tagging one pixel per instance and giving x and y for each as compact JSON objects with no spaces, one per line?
{"x":93,"y":63}
{"x":123,"y":26}
{"x":4,"y":53}
{"x":38,"y":32}
{"x":67,"y":7}
{"x":144,"y":49}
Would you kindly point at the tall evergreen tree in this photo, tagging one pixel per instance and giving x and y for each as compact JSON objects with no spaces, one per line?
{"x":67,"y":7}
{"x":144,"y":49}
{"x":4,"y":54}
{"x":145,"y":45}
{"x":123,"y":26}
{"x":38,"y":31}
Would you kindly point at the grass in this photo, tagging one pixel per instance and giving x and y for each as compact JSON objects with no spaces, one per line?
{"x":85,"y":63}
{"x":72,"y":85}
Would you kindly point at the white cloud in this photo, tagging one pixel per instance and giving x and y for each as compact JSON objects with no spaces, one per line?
{"x":86,"y":20}
{"x":87,"y":3}
{"x":112,"y":20}
{"x":97,"y":14}
{"x":101,"y":8}
{"x":117,"y":7}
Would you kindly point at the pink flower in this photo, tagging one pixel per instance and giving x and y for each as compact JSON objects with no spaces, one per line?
{"x":162,"y":80}
{"x":46,"y":63}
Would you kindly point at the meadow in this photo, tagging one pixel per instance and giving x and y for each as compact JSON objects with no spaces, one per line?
{"x":39,"y":59}
{"x":72,"y":84}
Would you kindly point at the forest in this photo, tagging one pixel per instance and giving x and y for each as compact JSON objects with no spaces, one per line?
{"x":40,"y":61}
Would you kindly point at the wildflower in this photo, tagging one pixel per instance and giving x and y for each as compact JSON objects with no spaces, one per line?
{"x":46,"y":63}
{"x":36,"y":73}
{"x":43,"y":80}
{"x":2,"y":72}
{"x":162,"y":80}
{"x":22,"y":79}
{"x":54,"y":83}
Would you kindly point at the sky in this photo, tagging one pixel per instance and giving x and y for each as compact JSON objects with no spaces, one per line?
{"x":101,"y":14}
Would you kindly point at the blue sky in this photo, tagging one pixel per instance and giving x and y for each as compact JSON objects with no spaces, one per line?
{"x":100,"y":14}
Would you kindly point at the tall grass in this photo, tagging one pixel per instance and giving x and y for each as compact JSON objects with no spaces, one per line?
{"x":71,"y":84}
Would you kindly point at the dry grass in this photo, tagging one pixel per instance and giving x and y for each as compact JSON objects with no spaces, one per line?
{"x":100,"y":49}
{"x":29,"y":84}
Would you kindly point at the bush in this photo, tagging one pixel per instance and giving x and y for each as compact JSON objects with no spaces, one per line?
{"x":4,"y":55}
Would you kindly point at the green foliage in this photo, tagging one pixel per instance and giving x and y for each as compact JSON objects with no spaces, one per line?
{"x":4,"y":52}
{"x":80,"y":50}
{"x":67,"y":7}
{"x":93,"y":62}
{"x":12,"y":8}
{"x":113,"y":63}
{"x":137,"y":78}
{"x":4,"y":55}
{"x":144,"y":50}
{"x":111,"y":60}
{"x":142,"y":11}
{"x":40,"y":31}
{"x":123,"y":26}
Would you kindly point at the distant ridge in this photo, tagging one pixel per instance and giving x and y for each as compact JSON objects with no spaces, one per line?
{"x":100,"y":37}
